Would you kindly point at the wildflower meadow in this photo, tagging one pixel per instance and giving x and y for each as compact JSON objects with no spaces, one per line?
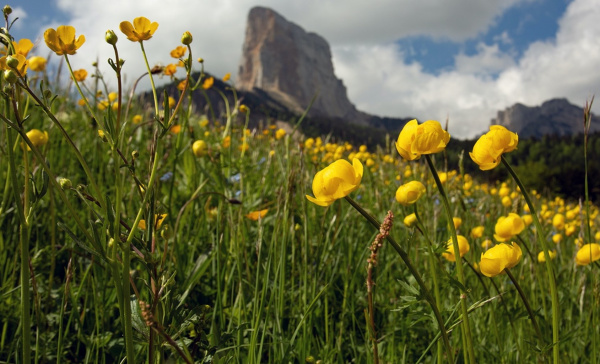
{"x":137,"y":228}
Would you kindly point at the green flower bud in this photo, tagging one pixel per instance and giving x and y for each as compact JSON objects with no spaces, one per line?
{"x":64,"y":183}
{"x":186,"y":38}
{"x":111,"y":37}
{"x":10,"y":76}
{"x":135,"y":154}
{"x":7,"y":10}
{"x":12,"y":62}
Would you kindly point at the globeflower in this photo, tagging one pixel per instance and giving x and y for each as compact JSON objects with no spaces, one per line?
{"x":410,"y":192}
{"x":142,"y":29}
{"x":477,"y":231}
{"x":410,"y":220}
{"x":37,"y":138}
{"x":37,"y":63}
{"x":542,"y":258}
{"x":336,"y":181}
{"x":416,"y":139}
{"x":199,"y":148}
{"x":62,"y":40}
{"x":488,"y":150}
{"x":508,"y":226}
{"x":498,"y":258}
{"x":588,"y":253}
{"x":463,"y":248}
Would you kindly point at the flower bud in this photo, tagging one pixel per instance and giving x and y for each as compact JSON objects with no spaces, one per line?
{"x":186,"y":38}
{"x":110,"y":37}
{"x":7,"y":10}
{"x":10,"y":76}
{"x":200,"y":60}
{"x":64,"y":183}
{"x":135,"y":154}
{"x":81,"y":187}
{"x":12,"y":62}
{"x":102,"y":135}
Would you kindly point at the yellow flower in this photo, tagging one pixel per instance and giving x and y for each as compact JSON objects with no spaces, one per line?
{"x":477,"y":231}
{"x":142,"y":29}
{"x":542,"y":257}
{"x":508,"y":226}
{"x":112,"y":96}
{"x":463,"y":248}
{"x":199,"y":148}
{"x":182,"y":85}
{"x":137,"y":119}
{"x":80,"y":75}
{"x":226,"y":142}
{"x":255,"y":215}
{"x":170,"y":69}
{"x":410,"y":220}
{"x":336,"y":181}
{"x":37,"y":138}
{"x":175,"y":129}
{"x":556,"y":238}
{"x":558,"y":221}
{"x":527,"y":219}
{"x":37,"y":63}
{"x":457,"y":221}
{"x":280,"y":133}
{"x":498,"y":258}
{"x":158,"y":220}
{"x":62,"y":40}
{"x":587,"y":254}
{"x":410,"y":192}
{"x":488,"y":150}
{"x":208,"y":83}
{"x":21,"y":67}
{"x":171,"y":102}
{"x":416,"y":139}
{"x":226,"y":77}
{"x":486,"y":244}
{"x":506,"y":201}
{"x":178,"y":52}
{"x":23,"y":46}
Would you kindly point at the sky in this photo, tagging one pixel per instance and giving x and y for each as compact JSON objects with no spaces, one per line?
{"x":459,"y":60}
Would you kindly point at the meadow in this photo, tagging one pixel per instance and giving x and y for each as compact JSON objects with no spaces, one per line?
{"x":152,"y":232}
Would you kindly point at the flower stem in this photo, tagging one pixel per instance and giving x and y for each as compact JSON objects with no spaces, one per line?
{"x":151,"y":78}
{"x":526,"y":303}
{"x":415,"y":273}
{"x":470,"y":354}
{"x":549,"y":268}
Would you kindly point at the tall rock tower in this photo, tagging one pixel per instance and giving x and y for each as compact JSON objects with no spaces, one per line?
{"x":292,"y":66}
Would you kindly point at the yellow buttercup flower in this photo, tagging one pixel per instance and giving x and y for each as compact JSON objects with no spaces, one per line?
{"x":280,"y":133}
{"x":182,"y":85}
{"x":80,"y":75}
{"x":170,"y":69}
{"x":158,"y":220}
{"x":208,"y":83}
{"x":142,"y":29}
{"x":477,"y":231}
{"x":23,"y":46}
{"x":488,"y":150}
{"x":457,"y":221}
{"x":410,"y":192}
{"x":37,"y":64}
{"x":416,"y":139}
{"x":62,"y":40}
{"x":255,"y":215}
{"x":21,"y":66}
{"x":226,"y":77}
{"x":558,"y":221}
{"x":178,"y":52}
{"x":410,"y":220}
{"x":508,"y":226}
{"x":37,"y":137}
{"x":542,"y":257}
{"x":498,"y":258}
{"x":336,"y":181}
{"x":199,"y":148}
{"x":463,"y":248}
{"x":588,"y":253}
{"x":137,"y":119}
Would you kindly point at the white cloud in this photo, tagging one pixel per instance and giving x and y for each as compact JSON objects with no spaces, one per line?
{"x":18,"y":12}
{"x":362,"y":35}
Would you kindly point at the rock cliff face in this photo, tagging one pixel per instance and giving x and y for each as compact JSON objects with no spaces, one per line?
{"x":553,"y":117}
{"x":292,"y":66}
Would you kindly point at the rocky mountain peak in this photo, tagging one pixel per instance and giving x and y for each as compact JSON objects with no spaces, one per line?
{"x":292,"y":66}
{"x":553,"y":117}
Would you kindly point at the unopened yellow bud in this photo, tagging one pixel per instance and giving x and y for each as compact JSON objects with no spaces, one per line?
{"x":111,"y":37}
{"x":186,"y":38}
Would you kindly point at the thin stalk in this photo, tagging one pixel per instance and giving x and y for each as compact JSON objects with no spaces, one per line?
{"x":526,"y":303}
{"x":470,"y":354}
{"x":405,"y":258}
{"x":549,"y":269}
{"x":151,"y":79}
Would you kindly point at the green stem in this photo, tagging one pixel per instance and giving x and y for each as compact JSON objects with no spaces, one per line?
{"x":24,"y":243}
{"x":526,"y":303}
{"x":425,"y":291}
{"x":470,"y":354}
{"x":549,"y":268}
{"x":151,"y":79}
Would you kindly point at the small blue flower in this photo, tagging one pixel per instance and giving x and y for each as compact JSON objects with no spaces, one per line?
{"x":235,"y":178}
{"x":262,"y":160}
{"x":167,"y":176}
